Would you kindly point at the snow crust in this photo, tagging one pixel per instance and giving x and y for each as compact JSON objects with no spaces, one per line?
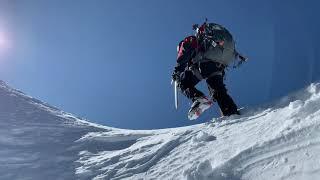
{"x":277,"y":141}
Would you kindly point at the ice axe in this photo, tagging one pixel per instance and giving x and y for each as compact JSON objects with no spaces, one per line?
{"x":241,"y":58}
{"x":176,"y":103}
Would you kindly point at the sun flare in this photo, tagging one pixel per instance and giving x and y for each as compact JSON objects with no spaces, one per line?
{"x":4,"y":41}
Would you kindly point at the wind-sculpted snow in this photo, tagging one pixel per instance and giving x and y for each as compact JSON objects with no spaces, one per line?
{"x":37,"y":141}
{"x":277,"y":141}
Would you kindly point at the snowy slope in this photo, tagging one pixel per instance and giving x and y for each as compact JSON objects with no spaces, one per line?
{"x":278,"y":141}
{"x":38,"y":141}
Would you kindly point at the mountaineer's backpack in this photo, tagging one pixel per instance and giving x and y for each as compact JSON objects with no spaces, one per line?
{"x":218,"y":44}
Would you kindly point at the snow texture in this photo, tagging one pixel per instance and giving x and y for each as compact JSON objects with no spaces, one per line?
{"x":278,"y":141}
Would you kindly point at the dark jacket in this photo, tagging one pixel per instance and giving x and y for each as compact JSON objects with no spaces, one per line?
{"x":188,"y":49}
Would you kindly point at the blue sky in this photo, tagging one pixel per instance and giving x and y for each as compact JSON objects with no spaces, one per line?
{"x":111,"y":61}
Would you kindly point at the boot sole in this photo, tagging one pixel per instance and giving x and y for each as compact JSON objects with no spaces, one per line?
{"x":198,"y":111}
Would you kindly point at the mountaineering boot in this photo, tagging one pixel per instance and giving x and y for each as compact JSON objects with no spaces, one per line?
{"x":198,"y":107}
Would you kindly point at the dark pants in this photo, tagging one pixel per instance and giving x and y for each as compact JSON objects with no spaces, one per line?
{"x":217,"y":89}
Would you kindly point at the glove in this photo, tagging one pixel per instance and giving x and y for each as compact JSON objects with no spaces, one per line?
{"x":176,"y":76}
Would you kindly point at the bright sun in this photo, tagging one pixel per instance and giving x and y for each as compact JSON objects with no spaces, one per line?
{"x":4,"y":42}
{"x":2,"y":39}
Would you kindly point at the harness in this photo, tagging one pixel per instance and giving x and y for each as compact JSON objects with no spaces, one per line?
{"x":196,"y":70}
